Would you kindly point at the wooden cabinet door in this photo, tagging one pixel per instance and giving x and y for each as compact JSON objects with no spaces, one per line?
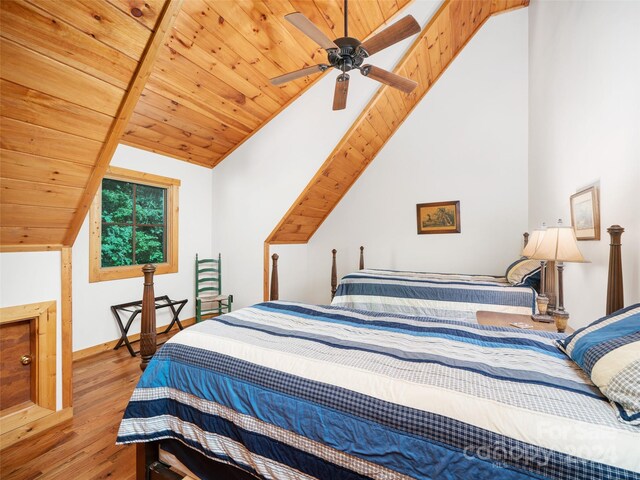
{"x":15,"y":377}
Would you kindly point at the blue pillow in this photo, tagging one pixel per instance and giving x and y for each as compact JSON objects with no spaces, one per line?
{"x":523,"y":272}
{"x":532,"y":279}
{"x":608,"y":350}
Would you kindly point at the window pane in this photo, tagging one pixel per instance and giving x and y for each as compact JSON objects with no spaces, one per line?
{"x":150,"y":245}
{"x":117,"y":249}
{"x":149,"y":205}
{"x":117,"y":201}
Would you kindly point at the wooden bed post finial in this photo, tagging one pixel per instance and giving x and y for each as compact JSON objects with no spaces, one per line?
{"x":615,"y":292}
{"x":334,"y":274}
{"x":148,"y":326}
{"x":274,"y":294}
{"x":361,"y":257}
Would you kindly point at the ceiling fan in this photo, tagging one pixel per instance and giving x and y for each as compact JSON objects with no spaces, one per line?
{"x":348,"y":53}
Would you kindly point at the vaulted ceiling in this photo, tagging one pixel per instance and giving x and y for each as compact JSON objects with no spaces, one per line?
{"x":188,"y":79}
{"x":209,"y":90}
{"x":68,"y":70}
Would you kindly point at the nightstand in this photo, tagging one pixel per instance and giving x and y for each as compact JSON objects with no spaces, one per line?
{"x":506,"y":319}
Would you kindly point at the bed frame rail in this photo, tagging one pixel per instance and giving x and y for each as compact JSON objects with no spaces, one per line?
{"x":148,"y":465}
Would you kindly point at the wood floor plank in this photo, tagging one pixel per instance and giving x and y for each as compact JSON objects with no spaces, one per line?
{"x":83,"y":448}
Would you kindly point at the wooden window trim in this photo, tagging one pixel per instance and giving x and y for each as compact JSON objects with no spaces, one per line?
{"x":97,"y":273}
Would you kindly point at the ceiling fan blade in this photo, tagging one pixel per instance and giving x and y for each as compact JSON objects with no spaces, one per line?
{"x":340,"y":94}
{"x":389,"y":78}
{"x":303,"y":72}
{"x":307,"y":27}
{"x":400,"y":30}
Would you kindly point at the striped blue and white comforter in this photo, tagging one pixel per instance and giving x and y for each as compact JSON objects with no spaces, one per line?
{"x":292,"y":391}
{"x":441,"y":295}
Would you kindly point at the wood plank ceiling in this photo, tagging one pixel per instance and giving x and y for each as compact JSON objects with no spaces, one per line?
{"x":70,"y":69}
{"x":453,"y":25}
{"x":210,"y":90}
{"x":66,"y":70}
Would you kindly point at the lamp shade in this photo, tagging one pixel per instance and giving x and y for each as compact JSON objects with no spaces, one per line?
{"x":559,"y":244}
{"x":533,"y":243}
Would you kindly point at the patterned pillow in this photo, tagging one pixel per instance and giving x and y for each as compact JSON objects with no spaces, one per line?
{"x":609,"y":351}
{"x":523,"y":272}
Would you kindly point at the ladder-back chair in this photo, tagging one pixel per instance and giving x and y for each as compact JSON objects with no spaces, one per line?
{"x":209,"y":298}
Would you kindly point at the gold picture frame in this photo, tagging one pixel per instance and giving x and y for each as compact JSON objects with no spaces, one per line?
{"x":585,"y":214}
{"x":438,"y":217}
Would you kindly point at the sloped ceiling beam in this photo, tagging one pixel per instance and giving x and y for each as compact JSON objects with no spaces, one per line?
{"x":450,"y":29}
{"x":168,"y":16}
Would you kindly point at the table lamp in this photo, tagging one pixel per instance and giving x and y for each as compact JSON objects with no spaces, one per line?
{"x":559,"y":244}
{"x":542,"y":300}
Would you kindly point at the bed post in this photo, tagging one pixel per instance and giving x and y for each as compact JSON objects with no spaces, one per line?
{"x":274,"y":294}
{"x":361,"y":257}
{"x":148,"y":326}
{"x":615,"y":292}
{"x":526,"y":238}
{"x":334,"y":274}
{"x":146,"y":454}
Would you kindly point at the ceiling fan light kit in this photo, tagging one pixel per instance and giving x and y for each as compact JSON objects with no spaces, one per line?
{"x":348,"y":53}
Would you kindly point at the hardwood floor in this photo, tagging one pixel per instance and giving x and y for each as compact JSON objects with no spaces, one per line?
{"x":84,"y":447}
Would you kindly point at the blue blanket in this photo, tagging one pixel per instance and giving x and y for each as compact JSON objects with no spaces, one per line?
{"x":292,"y":391}
{"x":453,"y":296}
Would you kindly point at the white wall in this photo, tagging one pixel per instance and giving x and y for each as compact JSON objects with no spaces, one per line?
{"x":33,"y":277}
{"x":92,"y":320}
{"x":467,"y":136}
{"x":467,"y":141}
{"x":584,"y":105}
{"x":256,"y":185}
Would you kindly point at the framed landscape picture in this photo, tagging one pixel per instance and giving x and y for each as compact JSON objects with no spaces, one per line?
{"x":585,"y":214}
{"x":438,"y":217}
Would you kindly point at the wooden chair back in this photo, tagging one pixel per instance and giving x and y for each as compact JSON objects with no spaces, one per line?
{"x":208,"y":276}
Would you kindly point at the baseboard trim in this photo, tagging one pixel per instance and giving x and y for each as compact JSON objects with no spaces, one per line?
{"x":103,"y":347}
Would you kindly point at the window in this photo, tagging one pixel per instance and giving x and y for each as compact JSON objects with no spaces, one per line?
{"x":133,"y":221}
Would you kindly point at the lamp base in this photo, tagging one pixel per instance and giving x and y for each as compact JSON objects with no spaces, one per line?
{"x":543,"y":303}
{"x":561,"y":318}
{"x":538,"y":317}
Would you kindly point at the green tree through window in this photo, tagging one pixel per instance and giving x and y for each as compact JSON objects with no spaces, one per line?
{"x":134,"y":224}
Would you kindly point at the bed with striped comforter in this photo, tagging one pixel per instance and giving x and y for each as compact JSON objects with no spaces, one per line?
{"x":291,"y":391}
{"x":441,"y":295}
